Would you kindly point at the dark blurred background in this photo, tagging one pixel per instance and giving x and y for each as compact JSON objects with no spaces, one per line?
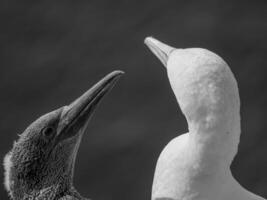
{"x":52,"y":51}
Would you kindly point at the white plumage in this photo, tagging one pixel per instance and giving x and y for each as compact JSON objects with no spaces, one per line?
{"x":7,"y":167}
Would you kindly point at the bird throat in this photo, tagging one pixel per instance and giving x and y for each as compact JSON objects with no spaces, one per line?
{"x":18,"y":188}
{"x":217,"y":146}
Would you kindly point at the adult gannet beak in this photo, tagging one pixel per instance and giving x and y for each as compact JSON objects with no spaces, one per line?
{"x":161,"y":50}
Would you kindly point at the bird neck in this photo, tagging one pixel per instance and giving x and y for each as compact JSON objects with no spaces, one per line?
{"x":54,"y":192}
{"x":216,"y":144}
{"x":20,"y":189}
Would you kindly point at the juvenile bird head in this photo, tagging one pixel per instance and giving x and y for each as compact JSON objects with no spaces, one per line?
{"x":42,"y":161}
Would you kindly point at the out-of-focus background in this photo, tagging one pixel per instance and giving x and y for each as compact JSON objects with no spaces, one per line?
{"x":52,"y":51}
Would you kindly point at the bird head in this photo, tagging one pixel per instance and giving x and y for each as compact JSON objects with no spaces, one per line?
{"x":203,"y":84}
{"x":44,"y":155}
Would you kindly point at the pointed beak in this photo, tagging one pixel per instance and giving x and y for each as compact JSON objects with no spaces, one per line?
{"x":161,"y":50}
{"x":75,"y":116}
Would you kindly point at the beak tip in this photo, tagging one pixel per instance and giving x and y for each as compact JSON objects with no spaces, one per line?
{"x":148,"y":40}
{"x":117,"y":73}
{"x":120,"y":72}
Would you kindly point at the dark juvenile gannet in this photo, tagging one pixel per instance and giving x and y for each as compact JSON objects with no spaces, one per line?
{"x":40,"y":165}
{"x":196,"y":165}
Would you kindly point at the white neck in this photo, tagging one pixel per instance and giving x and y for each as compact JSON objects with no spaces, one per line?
{"x":216,"y":144}
{"x":196,"y":165}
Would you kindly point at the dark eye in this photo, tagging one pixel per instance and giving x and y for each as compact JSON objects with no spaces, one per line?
{"x":48,"y":131}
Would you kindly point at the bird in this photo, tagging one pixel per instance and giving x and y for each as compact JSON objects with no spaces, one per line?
{"x":196,"y":165}
{"x":40,"y":165}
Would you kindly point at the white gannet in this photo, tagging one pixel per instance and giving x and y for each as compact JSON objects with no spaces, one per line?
{"x":196,"y":165}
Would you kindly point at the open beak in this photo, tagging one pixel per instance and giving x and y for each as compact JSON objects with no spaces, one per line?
{"x":161,"y":50}
{"x":75,"y":116}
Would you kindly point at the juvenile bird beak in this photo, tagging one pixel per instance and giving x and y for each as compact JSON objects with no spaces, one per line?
{"x":75,"y":116}
{"x":161,"y":50}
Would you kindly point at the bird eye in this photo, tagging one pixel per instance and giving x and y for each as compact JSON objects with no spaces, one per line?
{"x":48,"y":131}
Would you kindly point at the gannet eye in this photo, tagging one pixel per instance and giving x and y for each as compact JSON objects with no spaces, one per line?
{"x":48,"y":131}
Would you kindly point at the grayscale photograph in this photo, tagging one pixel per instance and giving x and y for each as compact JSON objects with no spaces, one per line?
{"x":133,"y":100}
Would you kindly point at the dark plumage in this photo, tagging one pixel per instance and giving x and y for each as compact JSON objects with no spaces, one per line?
{"x":41,"y":163}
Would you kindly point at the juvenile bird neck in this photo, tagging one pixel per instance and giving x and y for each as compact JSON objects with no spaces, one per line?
{"x":20,"y":190}
{"x":26,"y":181}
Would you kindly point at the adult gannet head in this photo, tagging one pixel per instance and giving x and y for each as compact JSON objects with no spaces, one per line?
{"x":203,"y":84}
